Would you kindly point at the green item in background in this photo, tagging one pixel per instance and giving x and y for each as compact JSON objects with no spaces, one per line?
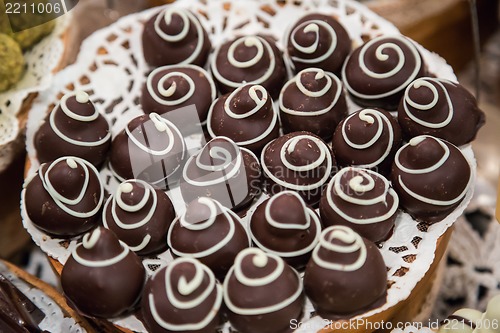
{"x":11,"y":62}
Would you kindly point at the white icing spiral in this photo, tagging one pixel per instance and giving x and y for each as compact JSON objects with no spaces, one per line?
{"x":289,"y":147}
{"x":215,"y":209}
{"x":352,"y":243}
{"x":65,"y":203}
{"x":82,"y":98}
{"x":446,"y":154}
{"x":313,"y":26}
{"x":260,"y":259}
{"x":432,"y":84}
{"x":188,"y":19}
{"x":370,"y":116}
{"x":382,"y":57}
{"x":297,"y":80}
{"x":187,"y":288}
{"x":356,"y":185}
{"x":264,"y":49}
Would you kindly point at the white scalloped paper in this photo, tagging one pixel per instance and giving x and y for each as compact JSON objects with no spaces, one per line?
{"x":112,"y":70}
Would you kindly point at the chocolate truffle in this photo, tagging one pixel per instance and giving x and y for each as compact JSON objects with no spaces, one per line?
{"x":362,"y":200}
{"x":73,"y":128}
{"x":248,"y":59}
{"x":224,"y":172}
{"x":102,"y":278}
{"x":64,"y":198}
{"x":175,"y":36}
{"x":150,"y":148}
{"x":298,"y":161}
{"x":377,"y":73}
{"x":462,"y":321}
{"x":369,"y":139}
{"x":283,"y":225}
{"x":346,"y":275}
{"x":246,"y":116}
{"x":169,"y":88}
{"x":262,"y":293}
{"x":431,"y":177}
{"x":440,"y":108}
{"x":312,"y":101}
{"x":318,"y":40}
{"x":182,"y":297}
{"x":210,"y":233}
{"x":139,"y":215}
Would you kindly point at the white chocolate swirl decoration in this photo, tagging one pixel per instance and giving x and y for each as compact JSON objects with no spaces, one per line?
{"x":331,"y":82}
{"x":188,"y":21}
{"x":344,"y":241}
{"x":260,"y":260}
{"x":389,"y":69}
{"x":215,"y":209}
{"x":438,"y":91}
{"x":370,"y":116}
{"x":317,"y":27}
{"x":64,"y":203}
{"x":427,"y":170}
{"x":82,"y":98}
{"x":359,"y":186}
{"x":190,"y":290}
{"x":260,"y":96}
{"x":117,"y":204}
{"x":263,"y":50}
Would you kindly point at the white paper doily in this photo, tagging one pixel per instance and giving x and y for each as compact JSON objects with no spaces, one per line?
{"x":112,"y":70}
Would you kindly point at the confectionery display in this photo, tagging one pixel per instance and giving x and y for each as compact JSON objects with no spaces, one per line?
{"x":362,"y":200}
{"x":182,"y":297}
{"x":298,"y":161}
{"x":175,"y":36}
{"x":317,"y":40}
{"x":368,"y":138}
{"x":12,"y":59}
{"x":74,"y":128}
{"x":283,"y":225}
{"x":312,"y":101}
{"x":140,"y":216}
{"x":169,"y":88}
{"x":150,"y":148}
{"x":377,"y":73}
{"x":102,"y":278}
{"x":440,"y":108}
{"x":262,"y":293}
{"x":346,"y":274}
{"x":210,"y":233}
{"x":64,"y":197}
{"x":431,"y":177}
{"x":246,"y":116}
{"x":248,"y":59}
{"x":224,"y":172}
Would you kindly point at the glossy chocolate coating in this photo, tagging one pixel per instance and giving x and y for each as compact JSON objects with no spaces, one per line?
{"x":69,"y":177}
{"x":239,"y":61}
{"x":172,"y":87}
{"x":73,"y":128}
{"x":355,"y":283}
{"x":376,"y":74}
{"x":318,"y":40}
{"x":440,"y":108}
{"x":431,"y":177}
{"x":269,"y":306}
{"x":191,"y":304}
{"x":311,"y":165}
{"x":312,"y":101}
{"x":210,"y":233}
{"x":224,"y":172}
{"x":102,"y":278}
{"x":362,"y":200}
{"x":368,"y":138}
{"x":246,"y":116}
{"x":140,"y":216}
{"x":175,"y":36}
